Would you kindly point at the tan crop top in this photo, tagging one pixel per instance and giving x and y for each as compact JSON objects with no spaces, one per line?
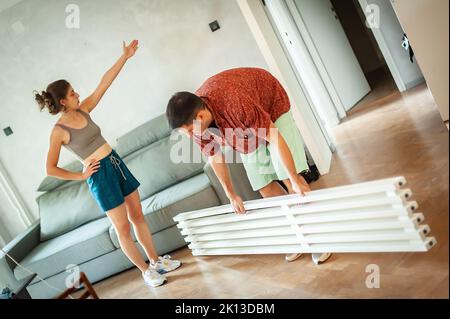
{"x":85,"y":141}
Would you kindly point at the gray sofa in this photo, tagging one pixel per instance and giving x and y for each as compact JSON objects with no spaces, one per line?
{"x":73,"y":231}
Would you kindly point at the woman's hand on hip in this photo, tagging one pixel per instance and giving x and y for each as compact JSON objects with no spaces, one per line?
{"x":91,"y":169}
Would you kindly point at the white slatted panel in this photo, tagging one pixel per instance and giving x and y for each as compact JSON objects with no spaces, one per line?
{"x":375,"y":216}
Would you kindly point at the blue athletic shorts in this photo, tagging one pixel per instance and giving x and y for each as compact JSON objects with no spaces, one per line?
{"x":112,"y":182}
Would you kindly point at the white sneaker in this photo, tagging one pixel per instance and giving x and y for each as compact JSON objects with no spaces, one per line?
{"x":292,"y":257}
{"x":166,"y":264}
{"x":153,"y":278}
{"x":320,"y":258}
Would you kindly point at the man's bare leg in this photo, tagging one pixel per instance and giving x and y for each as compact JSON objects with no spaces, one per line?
{"x":273,"y":189}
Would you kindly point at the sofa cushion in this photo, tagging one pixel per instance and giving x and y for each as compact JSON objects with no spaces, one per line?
{"x":50,"y":183}
{"x":159,"y":210}
{"x":145,"y":134}
{"x":76,"y":247}
{"x":64,"y":209}
{"x":160,"y":165}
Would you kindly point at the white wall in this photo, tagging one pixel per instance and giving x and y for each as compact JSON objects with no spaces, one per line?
{"x":177,"y":51}
{"x":5,"y":206}
{"x":426,"y":24}
{"x":5,"y":4}
{"x":392,"y":32}
{"x":10,"y":223}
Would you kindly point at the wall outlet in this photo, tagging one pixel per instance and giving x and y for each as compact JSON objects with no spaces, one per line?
{"x":8,"y":131}
{"x":214,"y":26}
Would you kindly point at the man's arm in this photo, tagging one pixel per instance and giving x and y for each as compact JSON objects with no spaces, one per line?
{"x":220,"y":168}
{"x":274,"y":137}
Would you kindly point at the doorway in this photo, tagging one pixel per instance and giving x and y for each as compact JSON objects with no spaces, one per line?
{"x":367,"y":52}
{"x":355,"y":64}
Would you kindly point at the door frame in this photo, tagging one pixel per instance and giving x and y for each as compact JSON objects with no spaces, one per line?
{"x":309,"y":43}
{"x":8,"y":188}
{"x":278,"y":63}
{"x":382,"y":44}
{"x":330,"y":114}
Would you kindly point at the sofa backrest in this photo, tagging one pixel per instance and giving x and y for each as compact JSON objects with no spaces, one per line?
{"x":65,"y":208}
{"x":50,"y":183}
{"x":143,"y":135}
{"x":157,"y":158}
{"x":148,"y":151}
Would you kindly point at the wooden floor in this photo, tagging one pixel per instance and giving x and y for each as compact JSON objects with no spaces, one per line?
{"x":382,"y":85}
{"x":401,"y":134}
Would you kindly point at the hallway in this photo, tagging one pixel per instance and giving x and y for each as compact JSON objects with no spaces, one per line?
{"x":381,"y":84}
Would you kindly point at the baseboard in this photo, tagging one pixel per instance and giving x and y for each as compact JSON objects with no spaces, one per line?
{"x":414,"y":83}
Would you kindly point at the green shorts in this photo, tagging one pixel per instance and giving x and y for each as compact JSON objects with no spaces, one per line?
{"x":264,"y":165}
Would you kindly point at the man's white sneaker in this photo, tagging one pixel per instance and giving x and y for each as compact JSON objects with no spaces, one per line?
{"x":292,"y":257}
{"x":320,"y":258}
{"x":152,"y":278}
{"x":166,"y":264}
{"x":317,"y":258}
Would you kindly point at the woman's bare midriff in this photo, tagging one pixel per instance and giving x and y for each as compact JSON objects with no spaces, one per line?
{"x":99,"y":154}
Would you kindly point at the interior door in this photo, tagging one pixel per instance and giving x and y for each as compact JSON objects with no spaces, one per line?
{"x":334,"y":49}
{"x":309,"y":80}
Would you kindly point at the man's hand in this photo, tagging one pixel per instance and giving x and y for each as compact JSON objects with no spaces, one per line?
{"x":237,"y":204}
{"x":221,"y":170}
{"x":299,"y":185}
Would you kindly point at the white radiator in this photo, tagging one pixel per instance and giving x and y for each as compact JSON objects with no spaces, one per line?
{"x":377,"y":216}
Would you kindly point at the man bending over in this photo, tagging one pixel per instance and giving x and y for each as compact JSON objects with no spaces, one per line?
{"x":247,"y":109}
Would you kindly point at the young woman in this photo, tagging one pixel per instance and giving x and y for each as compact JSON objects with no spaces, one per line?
{"x":110,"y":182}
